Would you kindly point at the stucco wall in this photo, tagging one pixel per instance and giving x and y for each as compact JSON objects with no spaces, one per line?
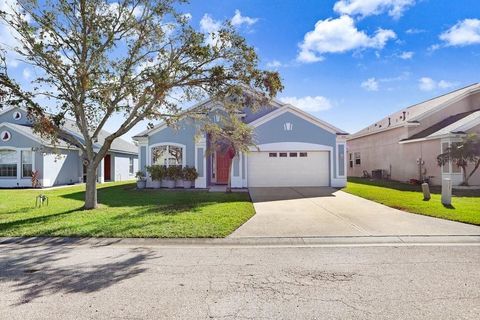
{"x":8,"y":117}
{"x":382,"y":151}
{"x":61,"y":167}
{"x":121,"y":166}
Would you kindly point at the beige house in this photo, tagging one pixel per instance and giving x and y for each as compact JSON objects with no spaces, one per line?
{"x":405,"y":144}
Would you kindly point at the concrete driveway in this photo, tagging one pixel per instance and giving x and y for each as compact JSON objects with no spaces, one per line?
{"x":320,"y":212}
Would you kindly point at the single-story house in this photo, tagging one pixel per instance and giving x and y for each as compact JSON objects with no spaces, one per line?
{"x":405,"y":144}
{"x":22,"y":151}
{"x":293,"y":148}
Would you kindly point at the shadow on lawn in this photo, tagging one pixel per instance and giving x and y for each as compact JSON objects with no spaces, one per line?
{"x":37,"y":270}
{"x":400,"y":186}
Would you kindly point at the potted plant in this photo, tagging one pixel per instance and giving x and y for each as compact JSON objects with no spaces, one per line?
{"x":141,"y":181}
{"x":171,"y":174}
{"x":179,"y":177}
{"x":156,"y":173}
{"x":189,"y":176}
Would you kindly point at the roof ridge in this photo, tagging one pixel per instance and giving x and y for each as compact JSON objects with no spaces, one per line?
{"x":443,"y":95}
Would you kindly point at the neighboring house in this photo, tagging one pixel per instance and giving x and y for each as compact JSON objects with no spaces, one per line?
{"x":23,"y":151}
{"x":406,"y":144}
{"x":294,"y":149}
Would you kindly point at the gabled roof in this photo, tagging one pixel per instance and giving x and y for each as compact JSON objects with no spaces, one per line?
{"x":302,"y":114}
{"x":456,"y":124}
{"x":119,"y":144}
{"x":264,"y":115}
{"x":411,"y":115}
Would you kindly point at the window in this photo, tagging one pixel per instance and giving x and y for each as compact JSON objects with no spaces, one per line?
{"x":272,"y":154}
{"x":283,"y":154}
{"x":167,"y":155}
{"x":350,"y":158}
{"x":26,"y":164}
{"x":8,"y":163}
{"x":130,"y":165}
{"x":357,"y":159}
{"x":293,"y":154}
{"x":303,"y":154}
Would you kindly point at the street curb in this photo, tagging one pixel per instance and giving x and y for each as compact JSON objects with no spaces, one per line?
{"x":403,"y":240}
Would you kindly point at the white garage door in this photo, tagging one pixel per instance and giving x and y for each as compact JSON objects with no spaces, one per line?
{"x":288,"y":169}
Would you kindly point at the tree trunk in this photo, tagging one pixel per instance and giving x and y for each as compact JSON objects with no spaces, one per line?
{"x":465,"y":178}
{"x":477,"y":165}
{"x":91,"y":188}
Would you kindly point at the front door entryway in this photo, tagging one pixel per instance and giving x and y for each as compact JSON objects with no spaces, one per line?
{"x":107,"y":168}
{"x":222,"y":162}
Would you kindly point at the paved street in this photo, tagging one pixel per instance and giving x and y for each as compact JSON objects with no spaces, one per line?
{"x":320,"y":212}
{"x":148,"y":281}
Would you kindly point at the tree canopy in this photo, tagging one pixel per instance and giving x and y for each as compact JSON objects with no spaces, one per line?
{"x":140,"y":59}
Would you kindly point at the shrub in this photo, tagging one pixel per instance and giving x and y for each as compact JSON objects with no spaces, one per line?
{"x":190,"y":173}
{"x":173,"y":173}
{"x":157,"y":172}
{"x":140,"y":175}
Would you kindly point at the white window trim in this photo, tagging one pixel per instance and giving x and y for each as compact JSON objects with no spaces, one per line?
{"x":450,"y":172}
{"x":19,"y":178}
{"x":344,"y":160}
{"x":184,"y":154}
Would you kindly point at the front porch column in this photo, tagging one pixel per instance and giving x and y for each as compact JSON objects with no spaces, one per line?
{"x":201,"y":162}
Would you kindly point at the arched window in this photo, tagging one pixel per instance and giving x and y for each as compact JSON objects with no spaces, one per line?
{"x":168,"y":155}
{"x":8,"y":163}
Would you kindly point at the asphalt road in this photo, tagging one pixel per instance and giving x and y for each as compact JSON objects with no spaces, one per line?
{"x":119,"y":281}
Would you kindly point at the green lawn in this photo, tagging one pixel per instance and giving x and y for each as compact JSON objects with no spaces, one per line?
{"x":123,"y":212}
{"x":465,"y":204}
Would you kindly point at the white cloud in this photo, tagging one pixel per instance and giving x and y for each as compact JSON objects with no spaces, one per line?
{"x":395,"y":8}
{"x":442,"y":84}
{"x":428,"y":84}
{"x":370,"y":84}
{"x":414,"y":31}
{"x":274,"y":64}
{"x":337,"y":36}
{"x":208,"y":24}
{"x":406,"y":55}
{"x":308,"y":103}
{"x":463,"y":33}
{"x":187,"y":16}
{"x":26,"y":73}
{"x":238,"y":19}
{"x":211,"y":26}
{"x":8,"y":36}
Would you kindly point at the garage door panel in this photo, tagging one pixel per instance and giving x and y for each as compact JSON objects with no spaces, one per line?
{"x":266,"y":171}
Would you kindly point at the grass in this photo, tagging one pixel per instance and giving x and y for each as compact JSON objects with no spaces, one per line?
{"x":465,"y":203}
{"x":123,"y":212}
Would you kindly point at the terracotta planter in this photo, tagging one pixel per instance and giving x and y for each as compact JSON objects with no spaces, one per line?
{"x":141,"y":184}
{"x":156,"y":184}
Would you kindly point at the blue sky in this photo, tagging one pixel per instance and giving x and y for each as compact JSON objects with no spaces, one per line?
{"x":351,"y":62}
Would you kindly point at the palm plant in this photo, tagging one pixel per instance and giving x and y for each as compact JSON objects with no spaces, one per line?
{"x":461,"y":154}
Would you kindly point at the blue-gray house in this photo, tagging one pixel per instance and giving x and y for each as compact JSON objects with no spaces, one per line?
{"x":293,"y":149}
{"x":22,"y":151}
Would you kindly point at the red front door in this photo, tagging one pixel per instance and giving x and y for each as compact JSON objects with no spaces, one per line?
{"x":222,"y":162}
{"x":107,"y":168}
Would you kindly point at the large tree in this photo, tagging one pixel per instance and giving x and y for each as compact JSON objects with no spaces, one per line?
{"x":461,"y":154}
{"x":138,"y":58}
